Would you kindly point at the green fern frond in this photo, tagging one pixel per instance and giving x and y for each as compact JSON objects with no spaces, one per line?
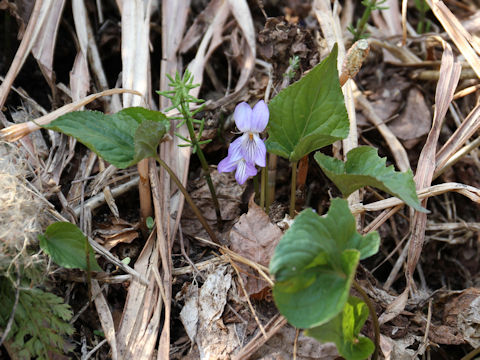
{"x":40,"y":321}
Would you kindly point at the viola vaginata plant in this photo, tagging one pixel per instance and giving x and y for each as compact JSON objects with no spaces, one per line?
{"x":315,"y":262}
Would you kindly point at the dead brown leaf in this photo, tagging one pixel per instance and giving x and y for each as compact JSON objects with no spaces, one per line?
{"x":255,"y":238}
{"x":120,"y":231}
{"x":415,"y":121}
{"x":229,"y":194}
{"x":202,"y":316}
{"x":462,"y":313}
{"x":443,"y":334}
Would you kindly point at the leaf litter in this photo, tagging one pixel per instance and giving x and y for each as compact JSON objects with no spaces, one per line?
{"x":223,"y":39}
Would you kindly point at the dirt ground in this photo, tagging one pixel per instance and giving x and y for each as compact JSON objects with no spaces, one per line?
{"x":241,"y":51}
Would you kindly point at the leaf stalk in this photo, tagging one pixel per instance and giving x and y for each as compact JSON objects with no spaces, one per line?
{"x":189,"y":200}
{"x":373,"y":314}
{"x":293,"y":189}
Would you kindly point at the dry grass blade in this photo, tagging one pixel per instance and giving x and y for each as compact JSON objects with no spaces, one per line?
{"x":468,"y":127}
{"x":404,"y":22}
{"x":105,"y":317}
{"x":454,"y":28}
{"x":212,"y":38}
{"x":466,"y":190}
{"x":17,"y":131}
{"x":166,"y":260}
{"x":79,"y":76}
{"x":178,"y":158}
{"x":39,"y":13}
{"x":393,"y":17}
{"x":44,"y":46}
{"x":449,"y":76}
{"x":141,"y":302}
{"x":274,"y":325}
{"x":174,"y":17}
{"x":330,"y":25}
{"x":241,"y":13}
{"x":138,"y":330}
{"x":136,"y":75}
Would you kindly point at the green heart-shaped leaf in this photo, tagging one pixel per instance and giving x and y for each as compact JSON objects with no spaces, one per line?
{"x":314,"y":264}
{"x":344,"y":330}
{"x":113,"y":137}
{"x":67,"y":246}
{"x":364,"y":167}
{"x":309,"y":114}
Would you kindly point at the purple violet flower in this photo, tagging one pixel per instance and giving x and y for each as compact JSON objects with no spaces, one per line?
{"x":249,"y":149}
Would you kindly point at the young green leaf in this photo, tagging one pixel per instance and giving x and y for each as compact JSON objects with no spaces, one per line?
{"x":147,"y":137}
{"x":344,"y":331}
{"x":112,"y":137}
{"x":314,"y":264}
{"x":364,"y":167}
{"x":309,"y":114}
{"x":316,"y":293}
{"x":66,"y":244}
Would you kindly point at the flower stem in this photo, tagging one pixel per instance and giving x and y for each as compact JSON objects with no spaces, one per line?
{"x":293,"y":189}
{"x":373,"y":314}
{"x":189,"y":200}
{"x":203,"y":162}
{"x":263,"y":188}
{"x":257,"y":190}
{"x":271,"y":176}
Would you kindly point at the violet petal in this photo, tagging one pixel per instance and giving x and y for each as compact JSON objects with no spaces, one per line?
{"x":260,"y":115}
{"x":244,"y":171}
{"x":227,"y":165}
{"x":261,"y":151}
{"x":242,"y":116}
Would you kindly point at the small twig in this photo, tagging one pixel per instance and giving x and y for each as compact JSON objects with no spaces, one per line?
{"x":273,"y":326}
{"x":95,"y":349}
{"x":423,"y":346}
{"x":222,"y":259}
{"x":471,"y":354}
{"x":85,"y":307}
{"x":242,"y":285}
{"x":262,"y":270}
{"x":99,"y":199}
{"x":182,"y":249}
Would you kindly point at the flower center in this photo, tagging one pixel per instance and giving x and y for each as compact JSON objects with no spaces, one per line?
{"x":250,"y":136}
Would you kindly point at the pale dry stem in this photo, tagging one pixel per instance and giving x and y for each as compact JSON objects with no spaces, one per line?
{"x":18,"y":131}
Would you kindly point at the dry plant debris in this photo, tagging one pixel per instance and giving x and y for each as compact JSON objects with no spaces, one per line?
{"x":415,"y":99}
